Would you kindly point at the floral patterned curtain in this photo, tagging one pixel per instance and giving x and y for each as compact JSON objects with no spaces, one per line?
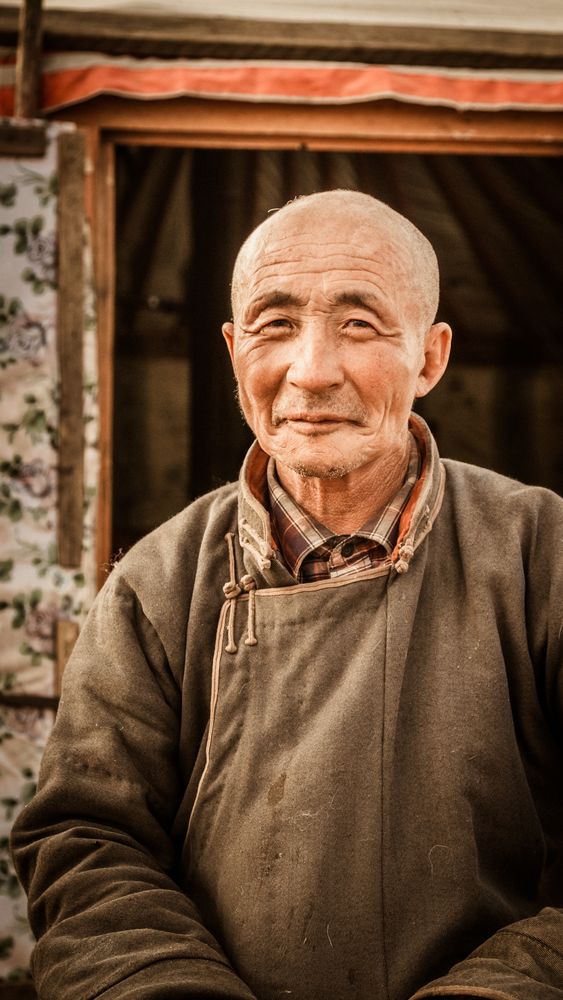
{"x":35,"y":591}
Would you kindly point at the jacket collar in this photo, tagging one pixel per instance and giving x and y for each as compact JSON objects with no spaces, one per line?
{"x":254,"y":525}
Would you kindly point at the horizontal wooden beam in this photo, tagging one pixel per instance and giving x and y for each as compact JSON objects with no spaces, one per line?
{"x":19,"y":139}
{"x":17,"y":991}
{"x":388,"y":126}
{"x":188,"y":36}
{"x":28,"y":701}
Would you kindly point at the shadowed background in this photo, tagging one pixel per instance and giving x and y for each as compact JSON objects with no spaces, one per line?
{"x":496,"y":225}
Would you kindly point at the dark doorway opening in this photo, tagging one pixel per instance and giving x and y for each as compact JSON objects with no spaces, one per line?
{"x":496,"y":225}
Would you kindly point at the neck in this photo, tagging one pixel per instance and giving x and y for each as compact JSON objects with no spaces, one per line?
{"x":345,"y":504}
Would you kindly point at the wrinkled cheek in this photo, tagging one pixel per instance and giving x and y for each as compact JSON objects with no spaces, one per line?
{"x":256,"y":391}
{"x":246,"y":406}
{"x":257,"y":413}
{"x":394,"y":390}
{"x":399,"y":401}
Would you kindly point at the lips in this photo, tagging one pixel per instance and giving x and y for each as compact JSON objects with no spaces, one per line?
{"x":314,"y":425}
{"x":338,"y":411}
{"x":323,"y":418}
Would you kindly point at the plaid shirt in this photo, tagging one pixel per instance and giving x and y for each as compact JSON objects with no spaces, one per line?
{"x":313,"y":552}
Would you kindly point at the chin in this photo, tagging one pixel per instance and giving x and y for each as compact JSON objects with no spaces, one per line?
{"x":317,"y":459}
{"x":311,"y":471}
{"x":310,"y":466}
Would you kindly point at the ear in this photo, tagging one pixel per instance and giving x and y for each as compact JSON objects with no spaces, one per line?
{"x":437,"y":343}
{"x":229,"y":335}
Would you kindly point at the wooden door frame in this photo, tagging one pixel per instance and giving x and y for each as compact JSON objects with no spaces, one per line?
{"x":382,"y":126}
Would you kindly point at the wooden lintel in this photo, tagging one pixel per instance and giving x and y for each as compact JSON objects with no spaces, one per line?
{"x":173,"y":36}
{"x":28,"y":60}
{"x":70,"y":327}
{"x":389,"y":126}
{"x":22,"y":139}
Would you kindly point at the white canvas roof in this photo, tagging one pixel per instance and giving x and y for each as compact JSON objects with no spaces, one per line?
{"x":510,"y":15}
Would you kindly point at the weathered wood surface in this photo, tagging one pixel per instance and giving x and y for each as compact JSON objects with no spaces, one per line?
{"x":174,"y":35}
{"x":379,"y":125}
{"x":27,"y":701}
{"x":28,"y":60}
{"x":105,"y":270}
{"x":17,"y":991}
{"x":70,"y":324}
{"x":65,"y":637}
{"x":22,"y":139}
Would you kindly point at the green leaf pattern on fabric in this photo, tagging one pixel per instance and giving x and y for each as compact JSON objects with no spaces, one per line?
{"x":23,"y":734}
{"x":35,"y":591}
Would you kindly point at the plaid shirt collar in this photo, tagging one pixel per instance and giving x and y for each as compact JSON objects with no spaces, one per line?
{"x":311,"y":551}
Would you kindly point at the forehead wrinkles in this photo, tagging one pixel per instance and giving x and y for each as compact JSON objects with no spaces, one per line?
{"x":340,"y":273}
{"x":382,"y":296}
{"x":316,"y":255}
{"x":298,"y":272}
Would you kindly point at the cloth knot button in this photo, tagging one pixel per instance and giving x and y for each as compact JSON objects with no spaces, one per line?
{"x":347,"y":549}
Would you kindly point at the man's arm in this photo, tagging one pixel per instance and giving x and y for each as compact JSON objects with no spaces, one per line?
{"x":524,"y":960}
{"x":93,"y":848}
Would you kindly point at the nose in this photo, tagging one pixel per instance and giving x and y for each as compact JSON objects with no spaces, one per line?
{"x":315,"y":364}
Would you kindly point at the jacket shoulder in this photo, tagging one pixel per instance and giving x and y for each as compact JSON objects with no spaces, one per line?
{"x":497,"y":506}
{"x":159,"y":573}
{"x":166,"y":550}
{"x":475,"y":480}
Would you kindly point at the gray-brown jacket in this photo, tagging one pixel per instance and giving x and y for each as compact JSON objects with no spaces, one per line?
{"x":347,"y":789}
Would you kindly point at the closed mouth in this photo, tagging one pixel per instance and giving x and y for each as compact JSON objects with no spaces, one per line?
{"x":316,"y":424}
{"x":321,"y":418}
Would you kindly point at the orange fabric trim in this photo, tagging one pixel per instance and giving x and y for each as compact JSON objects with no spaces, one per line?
{"x":72,"y":78}
{"x":406,"y":519}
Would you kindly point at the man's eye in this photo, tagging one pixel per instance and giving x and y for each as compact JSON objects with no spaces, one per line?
{"x":276,"y":324}
{"x":358,"y":324}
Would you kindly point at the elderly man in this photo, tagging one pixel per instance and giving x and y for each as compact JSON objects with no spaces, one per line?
{"x":309,"y":744}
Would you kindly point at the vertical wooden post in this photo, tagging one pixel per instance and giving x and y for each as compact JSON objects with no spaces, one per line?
{"x":104,"y":249}
{"x":65,"y":637}
{"x":70,"y":328}
{"x":100,"y":210}
{"x":28,"y":60}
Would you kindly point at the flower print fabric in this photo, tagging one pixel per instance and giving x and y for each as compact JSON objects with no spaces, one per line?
{"x":34,"y":590}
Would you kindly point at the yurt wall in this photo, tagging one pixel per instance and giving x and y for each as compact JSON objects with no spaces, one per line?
{"x":49,"y":468}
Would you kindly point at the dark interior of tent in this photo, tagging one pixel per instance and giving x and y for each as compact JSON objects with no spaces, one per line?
{"x":496,"y":222}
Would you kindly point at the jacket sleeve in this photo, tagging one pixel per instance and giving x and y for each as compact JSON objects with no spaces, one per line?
{"x":524,"y":960}
{"x":93,"y":849}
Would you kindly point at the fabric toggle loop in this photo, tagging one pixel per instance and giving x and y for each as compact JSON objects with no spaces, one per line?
{"x":406,"y":552}
{"x":249,"y":584}
{"x":231,"y":591}
{"x":258,"y":545}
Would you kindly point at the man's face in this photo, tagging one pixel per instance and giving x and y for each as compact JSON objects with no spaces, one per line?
{"x":326,"y":345}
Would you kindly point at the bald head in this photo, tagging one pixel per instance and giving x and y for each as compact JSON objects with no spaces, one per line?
{"x":363,"y":221}
{"x":333,"y":337}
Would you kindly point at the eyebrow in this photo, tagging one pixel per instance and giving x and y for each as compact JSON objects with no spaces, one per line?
{"x":274,"y":300}
{"x":359,"y":300}
{"x":277,"y":299}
